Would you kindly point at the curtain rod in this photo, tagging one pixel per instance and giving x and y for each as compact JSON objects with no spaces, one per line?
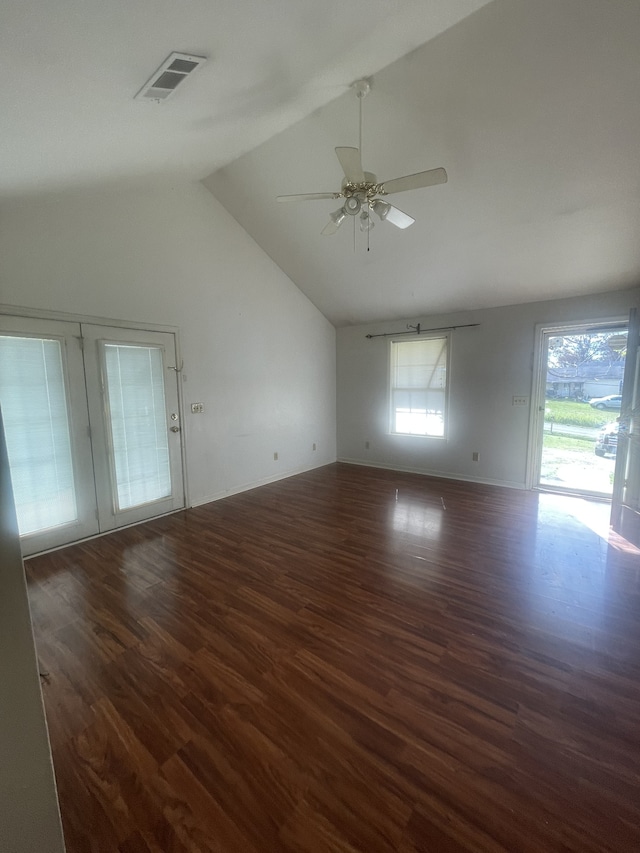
{"x":416,"y":330}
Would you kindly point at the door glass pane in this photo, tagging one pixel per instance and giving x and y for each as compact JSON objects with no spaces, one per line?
{"x":34,"y":408}
{"x":137,"y":421}
{"x":584,"y":374}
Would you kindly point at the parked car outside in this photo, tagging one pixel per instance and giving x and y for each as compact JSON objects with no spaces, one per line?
{"x":607,"y":440}
{"x":611,"y":401}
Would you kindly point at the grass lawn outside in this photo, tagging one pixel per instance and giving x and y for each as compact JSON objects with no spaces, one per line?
{"x":577,"y":414}
{"x":578,"y":443}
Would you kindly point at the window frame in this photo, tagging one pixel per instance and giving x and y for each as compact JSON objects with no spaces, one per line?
{"x":391,"y":387}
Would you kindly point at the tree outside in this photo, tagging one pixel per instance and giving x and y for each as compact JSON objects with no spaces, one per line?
{"x":574,"y":352}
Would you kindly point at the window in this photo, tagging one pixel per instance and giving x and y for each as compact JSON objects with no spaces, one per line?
{"x":418,"y":396}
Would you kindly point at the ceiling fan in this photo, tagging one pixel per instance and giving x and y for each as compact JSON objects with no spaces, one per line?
{"x":361,"y":190}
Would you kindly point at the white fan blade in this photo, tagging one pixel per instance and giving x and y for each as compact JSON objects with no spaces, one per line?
{"x":307,"y":196}
{"x":414,"y":182}
{"x":351,"y":164}
{"x":398,"y":218}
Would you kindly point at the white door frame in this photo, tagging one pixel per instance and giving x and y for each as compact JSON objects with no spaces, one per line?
{"x":543,"y":331}
{"x":625,"y":504}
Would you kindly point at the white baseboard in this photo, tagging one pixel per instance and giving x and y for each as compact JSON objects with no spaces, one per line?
{"x":254,"y":484}
{"x":507,"y":484}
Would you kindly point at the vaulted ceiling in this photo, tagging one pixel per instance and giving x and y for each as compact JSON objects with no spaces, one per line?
{"x":532,"y":107}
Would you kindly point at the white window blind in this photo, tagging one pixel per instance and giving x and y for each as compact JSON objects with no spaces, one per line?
{"x":36,"y":420}
{"x":137,"y":421}
{"x":419,"y":386}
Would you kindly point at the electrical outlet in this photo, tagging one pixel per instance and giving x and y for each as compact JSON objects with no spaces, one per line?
{"x":519,"y":401}
{"x":475,"y":456}
{"x":366,"y":445}
{"x":314,"y":446}
{"x":197,"y":408}
{"x":275,"y":457}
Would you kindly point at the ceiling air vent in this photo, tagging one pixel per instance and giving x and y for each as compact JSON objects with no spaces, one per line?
{"x":163,"y":83}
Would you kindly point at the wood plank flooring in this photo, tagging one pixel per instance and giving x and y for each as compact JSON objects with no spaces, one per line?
{"x":347,"y":660}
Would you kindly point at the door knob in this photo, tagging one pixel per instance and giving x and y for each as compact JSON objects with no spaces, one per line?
{"x":175,"y":429}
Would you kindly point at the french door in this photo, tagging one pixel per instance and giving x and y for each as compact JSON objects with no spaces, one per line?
{"x":92,"y":422}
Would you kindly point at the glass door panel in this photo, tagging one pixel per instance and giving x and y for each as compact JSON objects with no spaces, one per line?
{"x":46,"y":428}
{"x":35,"y":407}
{"x":581,"y":370}
{"x":137,"y":424}
{"x":134,"y":412}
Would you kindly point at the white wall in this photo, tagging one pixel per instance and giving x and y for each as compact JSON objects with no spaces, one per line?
{"x":257,"y":353}
{"x":29,"y":816}
{"x":490,"y":364}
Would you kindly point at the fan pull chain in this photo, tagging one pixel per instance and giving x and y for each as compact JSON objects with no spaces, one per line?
{"x":360,"y":96}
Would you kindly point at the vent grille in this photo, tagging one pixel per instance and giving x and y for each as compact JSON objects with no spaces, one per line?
{"x":166,"y":79}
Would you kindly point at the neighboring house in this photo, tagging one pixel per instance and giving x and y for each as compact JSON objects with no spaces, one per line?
{"x":585,"y":382}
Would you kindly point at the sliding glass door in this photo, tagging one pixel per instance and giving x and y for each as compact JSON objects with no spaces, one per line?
{"x":93,"y":430}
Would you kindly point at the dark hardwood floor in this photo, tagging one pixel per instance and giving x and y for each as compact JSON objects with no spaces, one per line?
{"x":347,"y":660}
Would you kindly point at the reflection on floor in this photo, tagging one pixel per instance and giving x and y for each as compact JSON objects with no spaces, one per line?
{"x":347,"y":660}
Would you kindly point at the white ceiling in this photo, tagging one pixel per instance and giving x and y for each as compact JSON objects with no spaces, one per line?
{"x":70,"y":69}
{"x":531,"y":105}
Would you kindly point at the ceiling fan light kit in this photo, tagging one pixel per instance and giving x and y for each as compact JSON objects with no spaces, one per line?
{"x":380,"y":207}
{"x":335,"y":221}
{"x":352,"y":205}
{"x":360,"y":189}
{"x":366,"y":222}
